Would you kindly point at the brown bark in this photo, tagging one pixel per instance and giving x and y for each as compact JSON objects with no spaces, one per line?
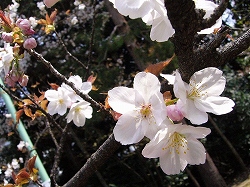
{"x":210,"y":174}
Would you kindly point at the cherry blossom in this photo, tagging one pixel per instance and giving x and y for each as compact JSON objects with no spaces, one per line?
{"x":176,"y":146}
{"x":133,"y":9}
{"x":84,"y":87}
{"x":59,"y":101}
{"x":209,"y":7}
{"x":79,"y":112}
{"x":6,"y":57}
{"x":22,"y":145}
{"x":142,"y":108}
{"x":202,"y":95}
{"x":154,"y":12}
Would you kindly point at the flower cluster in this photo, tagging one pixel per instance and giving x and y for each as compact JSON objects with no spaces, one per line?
{"x":19,"y":33}
{"x":153,"y":12}
{"x":65,"y":97}
{"x":144,"y":112}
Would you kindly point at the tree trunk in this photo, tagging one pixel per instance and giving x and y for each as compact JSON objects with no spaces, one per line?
{"x":210,"y":174}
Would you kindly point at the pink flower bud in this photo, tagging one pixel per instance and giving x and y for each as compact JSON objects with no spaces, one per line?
{"x":29,"y":32}
{"x":50,"y":3}
{"x":12,"y":77}
{"x":23,"y":24}
{"x":174,"y":113}
{"x":7,"y":37}
{"x":29,"y":43}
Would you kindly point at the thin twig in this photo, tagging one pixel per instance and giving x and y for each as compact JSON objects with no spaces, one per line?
{"x":67,"y":51}
{"x":63,"y":79}
{"x":58,"y":156}
{"x":92,"y":37}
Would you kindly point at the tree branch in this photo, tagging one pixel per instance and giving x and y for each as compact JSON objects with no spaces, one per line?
{"x":209,"y":22}
{"x":94,"y":162}
{"x":234,"y":48}
{"x":187,"y":21}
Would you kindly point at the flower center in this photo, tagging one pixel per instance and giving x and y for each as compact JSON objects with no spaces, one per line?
{"x":145,"y":111}
{"x":195,"y":90}
{"x":61,"y":101}
{"x":77,"y":109}
{"x":177,"y":142}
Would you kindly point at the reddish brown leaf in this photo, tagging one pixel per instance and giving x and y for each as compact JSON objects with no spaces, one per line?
{"x":22,"y":177}
{"x":43,"y":104}
{"x":167,"y":95}
{"x":156,"y":69}
{"x":54,"y":86}
{"x":10,"y":133}
{"x":53,"y":16}
{"x":19,"y":113}
{"x":106,"y":104}
{"x":27,"y":102}
{"x":37,"y":83}
{"x":28,"y":112}
{"x":92,"y":78}
{"x":31,"y":163}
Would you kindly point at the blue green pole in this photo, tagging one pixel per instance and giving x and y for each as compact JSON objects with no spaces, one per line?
{"x":24,"y":135}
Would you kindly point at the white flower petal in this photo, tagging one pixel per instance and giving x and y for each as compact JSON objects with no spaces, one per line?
{"x":133,"y":9}
{"x":146,"y":84}
{"x":169,"y":78}
{"x":195,"y":132}
{"x":161,"y":29}
{"x":172,"y":164}
{"x":198,"y":153}
{"x":194,"y":114}
{"x":180,"y":87}
{"x":122,"y":99}
{"x":129,"y":129}
{"x":51,"y":95}
{"x":210,"y":81}
{"x":215,"y":104}
{"x":86,"y":87}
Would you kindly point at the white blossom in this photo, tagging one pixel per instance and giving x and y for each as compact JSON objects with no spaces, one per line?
{"x":176,"y":146}
{"x":154,"y":12}
{"x":74,"y":20}
{"x":6,"y":57}
{"x":22,"y":144}
{"x":142,"y":108}
{"x":79,"y":112}
{"x":40,"y":5}
{"x":202,"y":95}
{"x":59,"y":101}
{"x":15,"y":164}
{"x":84,"y":87}
{"x":8,"y":171}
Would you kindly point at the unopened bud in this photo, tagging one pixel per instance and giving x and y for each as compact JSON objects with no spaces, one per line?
{"x":174,"y":113}
{"x":7,"y":37}
{"x":29,"y":43}
{"x":23,"y":24}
